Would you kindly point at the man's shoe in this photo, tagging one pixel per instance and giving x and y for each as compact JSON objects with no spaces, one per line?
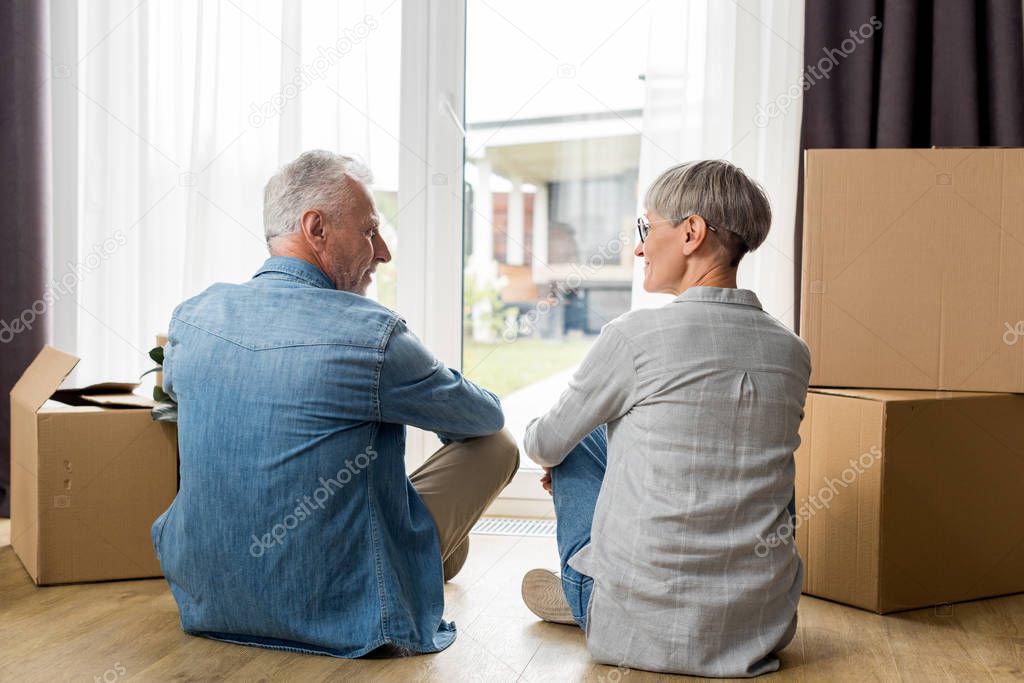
{"x":542,"y":593}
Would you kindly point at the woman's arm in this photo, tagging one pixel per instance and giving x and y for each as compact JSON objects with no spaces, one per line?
{"x":602,"y":389}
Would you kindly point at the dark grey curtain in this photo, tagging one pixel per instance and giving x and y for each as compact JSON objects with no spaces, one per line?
{"x":937,"y":73}
{"x":24,"y":200}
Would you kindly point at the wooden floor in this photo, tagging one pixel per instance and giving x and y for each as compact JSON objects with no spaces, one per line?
{"x":129,"y":630}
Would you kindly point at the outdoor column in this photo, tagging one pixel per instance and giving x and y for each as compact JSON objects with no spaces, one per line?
{"x":515,"y":248}
{"x":483,"y":219}
{"x":541,"y":272}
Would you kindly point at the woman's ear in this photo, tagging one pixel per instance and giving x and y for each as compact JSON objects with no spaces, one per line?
{"x":691,"y":234}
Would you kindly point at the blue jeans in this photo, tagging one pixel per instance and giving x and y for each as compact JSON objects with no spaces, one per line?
{"x":575,"y":484}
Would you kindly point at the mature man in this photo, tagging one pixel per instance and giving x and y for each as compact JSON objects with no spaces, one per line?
{"x":670,"y":455}
{"x":295,"y":526}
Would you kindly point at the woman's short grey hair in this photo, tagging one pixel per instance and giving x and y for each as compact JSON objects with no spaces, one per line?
{"x":720,"y":193}
{"x":315,"y":180}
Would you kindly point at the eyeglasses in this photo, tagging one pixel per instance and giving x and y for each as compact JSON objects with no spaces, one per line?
{"x":643,"y":225}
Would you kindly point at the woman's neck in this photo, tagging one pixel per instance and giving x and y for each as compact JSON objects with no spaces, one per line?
{"x":716,"y":276}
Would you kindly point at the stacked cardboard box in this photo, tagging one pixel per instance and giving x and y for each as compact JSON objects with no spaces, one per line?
{"x":90,"y":473}
{"x":912,"y":453}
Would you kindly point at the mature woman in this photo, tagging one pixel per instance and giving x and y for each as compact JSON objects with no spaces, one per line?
{"x":670,"y":455}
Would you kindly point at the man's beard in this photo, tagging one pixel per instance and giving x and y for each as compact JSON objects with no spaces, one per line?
{"x":345,"y":281}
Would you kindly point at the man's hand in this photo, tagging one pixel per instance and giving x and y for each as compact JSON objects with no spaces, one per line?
{"x":545,"y":481}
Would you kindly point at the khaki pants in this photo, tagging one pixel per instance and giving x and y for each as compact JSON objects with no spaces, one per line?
{"x":458,"y":482}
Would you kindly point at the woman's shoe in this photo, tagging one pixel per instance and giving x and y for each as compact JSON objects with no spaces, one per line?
{"x":542,"y":593}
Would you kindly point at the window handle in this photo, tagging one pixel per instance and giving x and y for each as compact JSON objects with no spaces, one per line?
{"x":446,"y":106}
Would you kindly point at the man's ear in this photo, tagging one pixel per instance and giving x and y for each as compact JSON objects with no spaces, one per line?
{"x":312,"y":225}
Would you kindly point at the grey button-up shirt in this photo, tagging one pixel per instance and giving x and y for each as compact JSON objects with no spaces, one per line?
{"x":703,"y":399}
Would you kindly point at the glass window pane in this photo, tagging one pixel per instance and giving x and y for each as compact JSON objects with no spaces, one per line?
{"x":552,"y":160}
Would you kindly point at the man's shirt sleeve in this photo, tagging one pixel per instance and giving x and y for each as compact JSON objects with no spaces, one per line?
{"x":167,"y":367}
{"x":417,"y":389}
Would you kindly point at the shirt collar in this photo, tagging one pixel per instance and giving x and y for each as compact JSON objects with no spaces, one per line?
{"x":720,"y":295}
{"x":296,"y":269}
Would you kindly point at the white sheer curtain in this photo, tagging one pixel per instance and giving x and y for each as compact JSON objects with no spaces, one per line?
{"x":184,"y":109}
{"x":713,"y":70}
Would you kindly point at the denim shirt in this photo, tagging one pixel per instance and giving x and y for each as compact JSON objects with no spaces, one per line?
{"x":295,"y":525}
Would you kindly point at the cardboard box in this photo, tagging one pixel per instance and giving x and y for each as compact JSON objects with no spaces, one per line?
{"x":912,"y":268}
{"x":907,"y":499}
{"x":89,"y":475}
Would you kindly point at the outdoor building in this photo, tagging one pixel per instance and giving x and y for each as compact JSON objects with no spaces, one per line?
{"x":552,"y":202}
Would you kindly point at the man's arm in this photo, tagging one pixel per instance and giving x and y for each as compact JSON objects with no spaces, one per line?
{"x":167,"y":367}
{"x":417,"y":389}
{"x":602,"y":389}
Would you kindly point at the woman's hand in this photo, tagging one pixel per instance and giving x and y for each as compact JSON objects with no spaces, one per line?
{"x":545,"y":481}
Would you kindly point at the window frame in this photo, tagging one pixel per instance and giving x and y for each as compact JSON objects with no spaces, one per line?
{"x":430,"y":178}
{"x":431,"y":198}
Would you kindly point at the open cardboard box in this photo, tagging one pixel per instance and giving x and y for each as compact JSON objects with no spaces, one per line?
{"x":90,"y":472}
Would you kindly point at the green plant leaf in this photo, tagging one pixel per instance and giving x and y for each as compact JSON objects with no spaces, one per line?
{"x":157,"y":354}
{"x":149,"y":371}
{"x":160,"y":395}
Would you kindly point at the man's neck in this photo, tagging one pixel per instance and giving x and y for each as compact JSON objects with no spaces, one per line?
{"x":296,"y":249}
{"x":290,"y":248}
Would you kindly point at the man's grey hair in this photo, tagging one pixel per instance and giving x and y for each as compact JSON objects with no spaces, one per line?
{"x":720,"y":193}
{"x":315,"y":180}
